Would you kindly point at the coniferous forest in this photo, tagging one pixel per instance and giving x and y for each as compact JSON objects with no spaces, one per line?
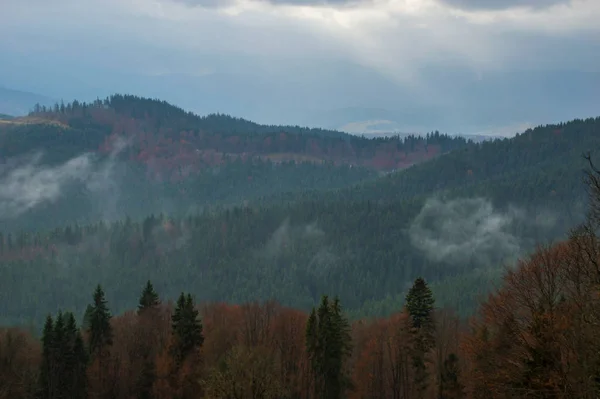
{"x":284,"y":262}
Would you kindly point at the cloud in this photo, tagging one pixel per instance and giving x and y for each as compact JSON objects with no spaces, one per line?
{"x":27,"y":183}
{"x":286,"y":237}
{"x":229,"y":3}
{"x":30,"y":185}
{"x":442,"y":57}
{"x":461,"y":231}
{"x":502,"y":4}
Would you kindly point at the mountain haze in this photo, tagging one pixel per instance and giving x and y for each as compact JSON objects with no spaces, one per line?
{"x":274,"y":212}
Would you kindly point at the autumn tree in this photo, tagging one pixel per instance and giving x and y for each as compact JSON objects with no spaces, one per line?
{"x":19,"y":364}
{"x":246,"y":373}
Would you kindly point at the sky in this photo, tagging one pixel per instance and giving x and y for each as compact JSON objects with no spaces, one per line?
{"x":457,"y":66}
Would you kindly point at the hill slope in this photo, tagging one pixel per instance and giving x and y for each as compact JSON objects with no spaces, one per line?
{"x":133,"y":156}
{"x":454,"y":220}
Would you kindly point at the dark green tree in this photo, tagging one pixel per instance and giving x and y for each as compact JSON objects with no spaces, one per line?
{"x":328,"y":343}
{"x":44,"y":378}
{"x":148,"y":304}
{"x":75,"y":360}
{"x":420,"y":305}
{"x":148,"y":299}
{"x":451,"y":388}
{"x":99,"y":328}
{"x":63,"y":368}
{"x":186,"y":328}
{"x":60,"y":348}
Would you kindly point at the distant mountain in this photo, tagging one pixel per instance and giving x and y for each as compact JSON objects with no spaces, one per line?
{"x":135,"y":156}
{"x":19,"y":103}
{"x":476,"y":138}
{"x":158,"y":130}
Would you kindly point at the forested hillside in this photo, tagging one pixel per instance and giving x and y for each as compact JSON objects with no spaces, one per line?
{"x":129,"y":156}
{"x":455,"y":221}
{"x":175,"y":143}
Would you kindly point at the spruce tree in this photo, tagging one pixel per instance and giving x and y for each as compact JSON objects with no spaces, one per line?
{"x":60,"y":348}
{"x":99,"y":328}
{"x":451,"y":388}
{"x":149,"y":298}
{"x":75,"y":359}
{"x":44,"y":378}
{"x":186,"y":328}
{"x":328,"y":343}
{"x":419,"y":304}
{"x":149,"y":301}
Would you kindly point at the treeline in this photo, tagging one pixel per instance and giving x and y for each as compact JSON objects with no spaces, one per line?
{"x":249,"y":351}
{"x":160,"y":130}
{"x":541,"y":165}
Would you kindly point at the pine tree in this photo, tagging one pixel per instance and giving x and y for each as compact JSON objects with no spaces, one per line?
{"x":100,"y":340}
{"x":187,"y":328}
{"x":75,"y":360}
{"x":146,"y":379}
{"x":62,"y":371}
{"x":148,"y":299}
{"x":99,"y":327}
{"x":419,"y":303}
{"x":44,"y":387}
{"x":451,"y":388}
{"x":60,"y":348}
{"x":328,"y":343}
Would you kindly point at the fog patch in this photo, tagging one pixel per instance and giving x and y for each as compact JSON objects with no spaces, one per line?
{"x":26,"y":183}
{"x":460,"y":231}
{"x":286,"y":237}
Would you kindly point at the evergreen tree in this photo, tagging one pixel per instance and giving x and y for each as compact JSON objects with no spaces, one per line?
{"x":148,"y":299}
{"x":60,"y":348}
{"x":451,"y":388}
{"x":62,"y":371}
{"x":44,"y":377}
{"x":75,"y":360}
{"x":99,"y":328}
{"x":328,"y":343}
{"x":186,"y":328}
{"x":419,"y":304}
{"x":146,"y":379}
